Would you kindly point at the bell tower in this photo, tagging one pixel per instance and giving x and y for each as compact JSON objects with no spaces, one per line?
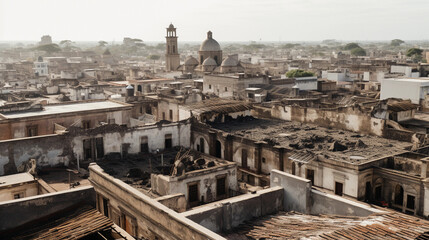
{"x":172,"y":57}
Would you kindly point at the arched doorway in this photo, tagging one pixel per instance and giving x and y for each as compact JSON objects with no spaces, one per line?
{"x":202,"y":145}
{"x":368,"y":191}
{"x":139,"y":88}
{"x":244,"y":158}
{"x":218,"y":152}
{"x":399,"y":195}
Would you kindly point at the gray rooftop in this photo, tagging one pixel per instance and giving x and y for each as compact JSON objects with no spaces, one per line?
{"x":65,"y":108}
{"x":15,"y":179}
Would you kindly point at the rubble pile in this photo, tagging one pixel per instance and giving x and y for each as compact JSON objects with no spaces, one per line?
{"x":185,"y":162}
{"x":330,"y":143}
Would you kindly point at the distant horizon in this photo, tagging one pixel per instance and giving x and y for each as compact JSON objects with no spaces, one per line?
{"x":230,"y":21}
{"x":199,"y":42}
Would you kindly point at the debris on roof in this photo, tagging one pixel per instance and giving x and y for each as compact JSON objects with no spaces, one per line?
{"x":287,"y":225}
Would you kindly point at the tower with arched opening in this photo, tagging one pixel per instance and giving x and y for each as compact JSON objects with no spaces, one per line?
{"x":172,"y":57}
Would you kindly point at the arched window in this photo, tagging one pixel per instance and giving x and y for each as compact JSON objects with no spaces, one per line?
{"x":218,"y":152}
{"x":201,"y":60}
{"x":215,"y":58}
{"x":174,"y":49}
{"x":139,"y":88}
{"x":168,"y":48}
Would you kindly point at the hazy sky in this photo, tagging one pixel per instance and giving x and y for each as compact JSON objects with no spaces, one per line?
{"x":230,"y":20}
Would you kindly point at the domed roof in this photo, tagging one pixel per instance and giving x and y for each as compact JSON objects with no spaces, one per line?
{"x":190,"y":61}
{"x":210,"y":44}
{"x":171,"y":26}
{"x":209,"y":62}
{"x":230,"y":61}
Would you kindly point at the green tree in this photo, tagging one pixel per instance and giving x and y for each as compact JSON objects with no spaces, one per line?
{"x":299,"y":73}
{"x":415,"y":54}
{"x":49,"y":48}
{"x":102,"y":43}
{"x":350,"y":46}
{"x":396,"y":42}
{"x":154,"y":57}
{"x":67,"y":45}
{"x":358,"y":51}
{"x":290,"y":45}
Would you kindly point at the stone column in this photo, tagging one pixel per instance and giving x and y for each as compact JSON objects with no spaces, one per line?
{"x":424,"y":167}
{"x":212,"y":143}
{"x":258,"y":157}
{"x":229,"y":150}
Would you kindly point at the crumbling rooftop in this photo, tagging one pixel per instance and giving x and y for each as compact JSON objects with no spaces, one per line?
{"x":303,"y":138}
{"x":293,"y":225}
{"x":219,"y":105}
{"x":135,"y":169}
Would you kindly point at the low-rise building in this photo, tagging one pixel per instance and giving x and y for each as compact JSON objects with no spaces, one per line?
{"x":414,"y":89}
{"x":48,"y":119}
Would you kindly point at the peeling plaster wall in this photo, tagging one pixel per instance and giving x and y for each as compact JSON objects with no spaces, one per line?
{"x":229,"y":213}
{"x":45,"y":149}
{"x":342,"y":118}
{"x":323,"y":203}
{"x":46,"y":124}
{"x":28,"y":188}
{"x":206,"y":179}
{"x":197,"y":138}
{"x":156,"y":138}
{"x":296,"y":191}
{"x":18,"y":212}
{"x":58,"y":150}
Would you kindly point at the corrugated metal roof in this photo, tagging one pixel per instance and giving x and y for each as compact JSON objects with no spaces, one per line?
{"x":302,"y":157}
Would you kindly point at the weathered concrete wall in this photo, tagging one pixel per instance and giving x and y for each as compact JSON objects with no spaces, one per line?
{"x":177,"y":202}
{"x":28,"y":189}
{"x":17,"y":128}
{"x":229,"y":213}
{"x":296,"y":191}
{"x":205,"y":178}
{"x":396,"y":134}
{"x":21,"y":211}
{"x":47,"y":151}
{"x":323,"y":203}
{"x":112,"y":141}
{"x":59,"y":150}
{"x":342,"y":118}
{"x":299,"y":196}
{"x":152,"y":219}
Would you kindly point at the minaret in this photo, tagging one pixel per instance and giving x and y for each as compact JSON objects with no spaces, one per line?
{"x":172,"y":57}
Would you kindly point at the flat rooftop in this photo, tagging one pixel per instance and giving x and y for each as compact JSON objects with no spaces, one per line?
{"x":293,"y":225}
{"x":417,"y":80}
{"x":312,"y":139}
{"x":16,"y":179}
{"x":66,"y":108}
